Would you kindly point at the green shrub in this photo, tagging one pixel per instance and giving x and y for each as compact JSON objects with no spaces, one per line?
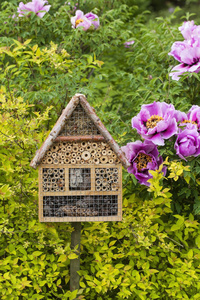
{"x":154,"y":252}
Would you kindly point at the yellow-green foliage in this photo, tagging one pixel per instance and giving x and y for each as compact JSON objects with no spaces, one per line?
{"x":154,"y":252}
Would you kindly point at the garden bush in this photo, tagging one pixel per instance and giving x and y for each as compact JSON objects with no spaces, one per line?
{"x":121,"y":65}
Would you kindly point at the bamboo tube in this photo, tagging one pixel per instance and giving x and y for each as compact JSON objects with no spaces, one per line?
{"x":85,"y":155}
{"x":73,"y":161}
{"x":49,"y":153}
{"x":63,"y":149}
{"x":54,"y":148}
{"x":66,"y":160}
{"x":98,"y":182}
{"x":104,"y":159}
{"x":54,"y":155}
{"x":104,"y":152}
{"x":83,"y":144}
{"x":94,"y":145}
{"x":49,"y":171}
{"x":93,"y":152}
{"x":75,"y":149}
{"x":110,"y":161}
{"x":49,"y":160}
{"x":88,"y":147}
{"x":98,"y":188}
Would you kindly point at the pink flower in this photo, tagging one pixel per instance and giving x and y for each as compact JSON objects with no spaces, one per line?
{"x":128,"y":44}
{"x":188,"y":51}
{"x":143,"y":157}
{"x":79,"y":20}
{"x":156,"y":122}
{"x":93,"y":18}
{"x":187,"y":29}
{"x":193,"y":117}
{"x":39,"y":7}
{"x":188,"y":142}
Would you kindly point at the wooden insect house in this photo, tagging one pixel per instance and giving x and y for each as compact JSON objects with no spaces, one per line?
{"x":80,"y":168}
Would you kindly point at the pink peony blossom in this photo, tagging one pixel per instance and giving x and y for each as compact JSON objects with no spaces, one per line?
{"x":94,"y":19}
{"x":79,"y":20}
{"x":143,"y":157}
{"x":85,"y":21}
{"x":39,"y":7}
{"x":187,"y":29}
{"x":188,"y":142}
{"x":187,"y":52}
{"x":193,"y":117}
{"x":156,"y":122}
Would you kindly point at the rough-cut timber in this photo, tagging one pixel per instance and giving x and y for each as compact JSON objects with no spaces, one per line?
{"x":53,"y":136}
{"x":81,"y":138}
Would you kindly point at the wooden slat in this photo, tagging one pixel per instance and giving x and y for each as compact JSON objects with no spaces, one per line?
{"x":81,"y":192}
{"x":81,"y":219}
{"x":40,"y":194}
{"x":93,"y":179}
{"x":80,"y":166}
{"x":81,"y":138}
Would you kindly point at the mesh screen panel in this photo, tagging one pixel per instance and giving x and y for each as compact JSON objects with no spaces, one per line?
{"x":79,"y":179}
{"x":77,"y":206}
{"x":79,"y":124}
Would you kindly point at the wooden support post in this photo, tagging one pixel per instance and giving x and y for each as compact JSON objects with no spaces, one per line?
{"x":75,"y":263}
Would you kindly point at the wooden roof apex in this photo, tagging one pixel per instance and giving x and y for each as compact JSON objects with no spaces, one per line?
{"x":66,"y":114}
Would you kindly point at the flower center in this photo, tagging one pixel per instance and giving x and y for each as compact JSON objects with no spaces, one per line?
{"x":142,"y":160}
{"x":152,"y":122}
{"x":188,"y":121}
{"x":79,"y":21}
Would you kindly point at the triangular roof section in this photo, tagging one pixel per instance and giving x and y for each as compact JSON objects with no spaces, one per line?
{"x":58,"y":130}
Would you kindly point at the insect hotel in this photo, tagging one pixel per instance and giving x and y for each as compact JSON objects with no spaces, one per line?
{"x":80,"y":169}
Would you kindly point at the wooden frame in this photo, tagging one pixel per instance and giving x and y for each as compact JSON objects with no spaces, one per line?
{"x":91,"y":192}
{"x":62,"y":151}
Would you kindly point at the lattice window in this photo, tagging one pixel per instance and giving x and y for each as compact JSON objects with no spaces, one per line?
{"x":79,"y":179}
{"x":106,"y":179}
{"x":92,"y":205}
{"x":79,"y":124}
{"x":53,"y":180}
